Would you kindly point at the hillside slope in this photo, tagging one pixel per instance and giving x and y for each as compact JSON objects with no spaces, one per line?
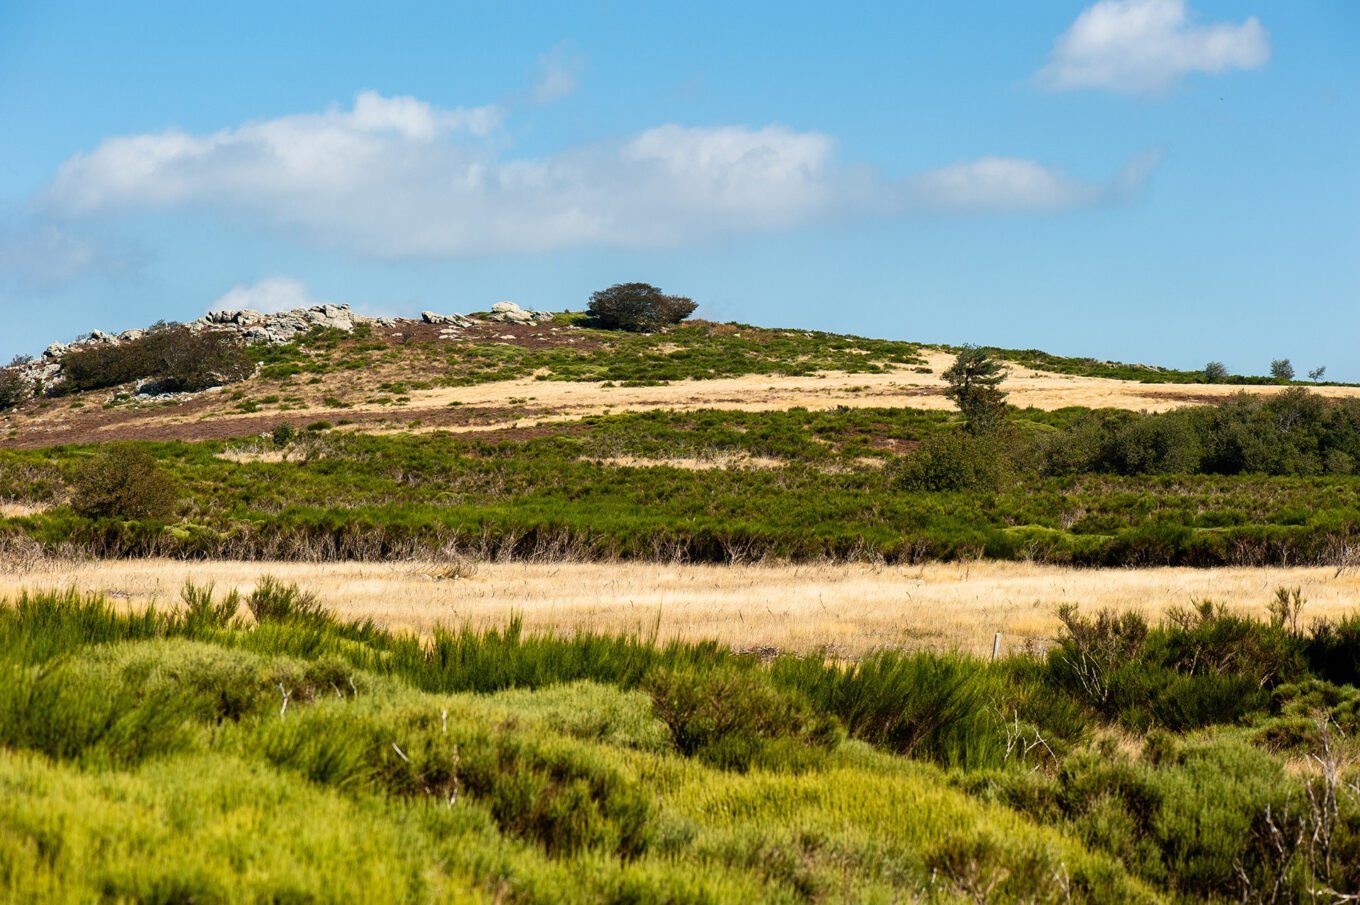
{"x":480,"y":374}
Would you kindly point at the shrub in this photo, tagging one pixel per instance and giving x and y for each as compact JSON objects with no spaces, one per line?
{"x":1158,"y":444}
{"x":14,"y":389}
{"x":639,"y":307}
{"x":204,"y":611}
{"x":936,"y":706}
{"x":955,"y":461}
{"x":283,"y":434}
{"x":175,"y":358}
{"x":123,"y":481}
{"x":735,"y":718}
{"x":273,"y":601}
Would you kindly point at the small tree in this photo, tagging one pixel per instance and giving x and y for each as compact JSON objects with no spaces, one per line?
{"x":639,"y":307}
{"x":1214,"y":372}
{"x":123,"y":481}
{"x":974,"y":385}
{"x":1316,"y":374}
{"x":1282,"y":370}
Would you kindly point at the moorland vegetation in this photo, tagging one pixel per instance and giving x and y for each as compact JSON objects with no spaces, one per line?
{"x":1253,"y":481}
{"x":252,"y":747}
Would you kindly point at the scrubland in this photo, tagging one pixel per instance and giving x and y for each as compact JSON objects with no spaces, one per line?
{"x":550,"y":613}
{"x":255,"y":748}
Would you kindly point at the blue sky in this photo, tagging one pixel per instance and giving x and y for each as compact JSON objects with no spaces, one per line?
{"x":1143,"y":180}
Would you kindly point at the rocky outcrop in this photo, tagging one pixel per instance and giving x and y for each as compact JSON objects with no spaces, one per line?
{"x":510,"y":313}
{"x":256,"y":327}
{"x":442,"y":320}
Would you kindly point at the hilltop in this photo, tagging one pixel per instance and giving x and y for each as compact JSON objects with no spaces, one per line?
{"x":511,"y":369}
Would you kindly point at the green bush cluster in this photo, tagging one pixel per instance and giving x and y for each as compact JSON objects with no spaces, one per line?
{"x":1292,"y":433}
{"x":173,"y":357}
{"x":674,"y":773}
{"x":14,"y":389}
{"x":123,"y":481}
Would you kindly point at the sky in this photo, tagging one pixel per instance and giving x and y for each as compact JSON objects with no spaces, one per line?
{"x":1159,"y":181}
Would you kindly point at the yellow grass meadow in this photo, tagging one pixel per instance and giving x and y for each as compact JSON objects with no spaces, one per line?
{"x":848,"y":609}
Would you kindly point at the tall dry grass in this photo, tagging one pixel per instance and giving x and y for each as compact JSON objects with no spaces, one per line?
{"x":849,"y":609}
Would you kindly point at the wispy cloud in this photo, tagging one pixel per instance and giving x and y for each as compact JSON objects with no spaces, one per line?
{"x":1147,"y":46}
{"x":559,"y":73}
{"x":268,"y":296}
{"x":41,"y":256}
{"x":398,"y":177}
{"x":1011,"y":183}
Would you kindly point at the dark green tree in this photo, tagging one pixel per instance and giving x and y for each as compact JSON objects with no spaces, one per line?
{"x":1282,"y":370}
{"x":640,"y":307}
{"x":974,"y":386}
{"x":1215,"y":372}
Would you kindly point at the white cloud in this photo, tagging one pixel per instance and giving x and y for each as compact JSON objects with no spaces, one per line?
{"x":270,"y":295}
{"x":1010,"y":183}
{"x":397,"y":177}
{"x":1146,"y":46}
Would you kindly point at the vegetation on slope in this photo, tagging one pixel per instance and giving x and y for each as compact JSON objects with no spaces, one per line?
{"x":255,"y":749}
{"x":1251,"y":481}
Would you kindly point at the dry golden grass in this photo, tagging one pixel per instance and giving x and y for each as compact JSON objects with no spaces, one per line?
{"x":14,"y":509}
{"x":849,"y":608}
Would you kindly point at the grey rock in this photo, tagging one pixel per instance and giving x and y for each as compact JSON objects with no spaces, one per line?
{"x":454,"y":320}
{"x":510,"y":313}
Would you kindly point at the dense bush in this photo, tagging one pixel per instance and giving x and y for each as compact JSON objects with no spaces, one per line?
{"x":174,"y":358}
{"x":639,"y":307}
{"x":14,"y":389}
{"x":123,"y":481}
{"x":736,"y":718}
{"x":1201,"y":666}
{"x":956,"y":461}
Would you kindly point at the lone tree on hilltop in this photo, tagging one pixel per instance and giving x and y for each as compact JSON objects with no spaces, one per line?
{"x":1317,"y":373}
{"x":1282,"y":370}
{"x":974,"y":385}
{"x":639,"y":307}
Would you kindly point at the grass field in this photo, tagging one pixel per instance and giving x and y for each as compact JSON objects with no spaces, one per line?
{"x":848,"y":609}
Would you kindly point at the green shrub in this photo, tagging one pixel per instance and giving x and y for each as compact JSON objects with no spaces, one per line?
{"x":940,"y":707}
{"x":736,"y":718}
{"x":175,"y":358}
{"x":639,"y":307}
{"x":203,"y":611}
{"x":282,"y":435}
{"x":1156,"y":444}
{"x":1333,"y":650}
{"x":956,"y":461}
{"x":14,"y":389}
{"x":123,"y":481}
{"x":273,"y":601}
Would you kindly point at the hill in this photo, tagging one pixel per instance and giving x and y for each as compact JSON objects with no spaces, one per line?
{"x":529,"y":436}
{"x":513,"y":369}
